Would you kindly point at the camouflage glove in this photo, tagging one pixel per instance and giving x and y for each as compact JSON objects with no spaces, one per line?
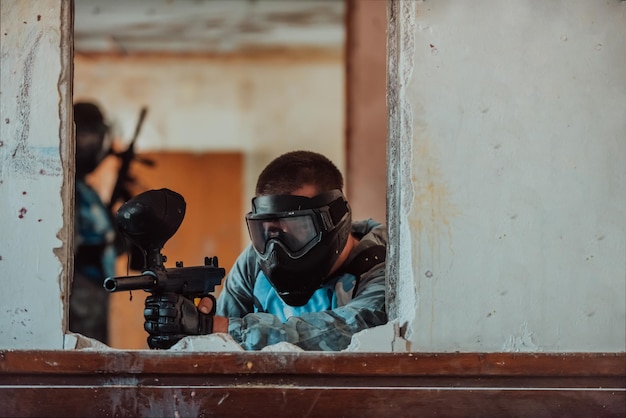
{"x":170,"y":317}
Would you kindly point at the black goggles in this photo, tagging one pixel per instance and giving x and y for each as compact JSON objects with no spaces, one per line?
{"x":297,"y":222}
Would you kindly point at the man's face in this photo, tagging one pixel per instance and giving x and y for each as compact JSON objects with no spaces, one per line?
{"x":309,"y":190}
{"x":292,"y":231}
{"x":298,"y":241}
{"x":298,"y":230}
{"x":276,"y":228}
{"x":295,"y":232}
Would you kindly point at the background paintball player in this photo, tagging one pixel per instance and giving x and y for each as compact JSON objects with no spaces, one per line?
{"x":95,"y":252}
{"x":310,"y":277}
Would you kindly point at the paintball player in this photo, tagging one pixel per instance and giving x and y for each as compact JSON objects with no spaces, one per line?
{"x":95,"y":252}
{"x":310,"y":276}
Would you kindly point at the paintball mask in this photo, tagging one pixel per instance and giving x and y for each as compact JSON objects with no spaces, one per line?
{"x":93,"y":142}
{"x":298,"y":240}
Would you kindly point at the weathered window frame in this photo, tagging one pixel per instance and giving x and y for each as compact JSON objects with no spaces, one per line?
{"x":151,"y":383}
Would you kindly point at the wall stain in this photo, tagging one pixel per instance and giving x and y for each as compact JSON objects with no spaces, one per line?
{"x":431,"y":214}
{"x":25,"y":158}
{"x":433,"y":209}
{"x":23,"y":100}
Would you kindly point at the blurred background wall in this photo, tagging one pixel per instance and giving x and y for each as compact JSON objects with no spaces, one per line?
{"x":228,"y":86}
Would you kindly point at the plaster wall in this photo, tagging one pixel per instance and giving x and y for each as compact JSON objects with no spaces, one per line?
{"x":35,"y":194}
{"x":509,"y":182}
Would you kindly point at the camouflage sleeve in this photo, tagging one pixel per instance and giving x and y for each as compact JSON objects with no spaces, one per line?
{"x":318,"y":331}
{"x":236,"y":298}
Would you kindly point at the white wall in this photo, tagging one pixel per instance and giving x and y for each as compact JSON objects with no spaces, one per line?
{"x":510,"y":141}
{"x":35,"y":192}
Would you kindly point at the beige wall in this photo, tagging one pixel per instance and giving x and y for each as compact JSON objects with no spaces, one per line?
{"x":260,"y":106}
{"x":366,"y":111}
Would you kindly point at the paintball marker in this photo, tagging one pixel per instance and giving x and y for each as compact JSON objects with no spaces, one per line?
{"x":149,"y":220}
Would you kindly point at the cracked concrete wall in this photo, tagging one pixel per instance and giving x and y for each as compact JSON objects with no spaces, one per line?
{"x":507,"y":143}
{"x":35,"y":93}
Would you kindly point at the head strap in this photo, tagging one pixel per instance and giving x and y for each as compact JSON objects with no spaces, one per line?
{"x":286,"y":203}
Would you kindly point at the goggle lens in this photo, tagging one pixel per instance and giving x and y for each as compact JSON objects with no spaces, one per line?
{"x":295,"y":232}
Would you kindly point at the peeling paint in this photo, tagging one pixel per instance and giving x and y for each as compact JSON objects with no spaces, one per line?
{"x":401,"y":60}
{"x":522,"y":341}
{"x":66,"y":151}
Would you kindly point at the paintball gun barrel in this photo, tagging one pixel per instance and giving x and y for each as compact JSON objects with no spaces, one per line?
{"x":149,"y":220}
{"x":190,"y":282}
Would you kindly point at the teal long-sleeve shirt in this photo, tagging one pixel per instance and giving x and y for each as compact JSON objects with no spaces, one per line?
{"x":258,"y":318}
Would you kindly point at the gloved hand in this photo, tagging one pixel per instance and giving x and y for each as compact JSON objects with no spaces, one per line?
{"x":170,"y":317}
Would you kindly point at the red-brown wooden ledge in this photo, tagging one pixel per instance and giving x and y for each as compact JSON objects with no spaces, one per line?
{"x":85,"y":383}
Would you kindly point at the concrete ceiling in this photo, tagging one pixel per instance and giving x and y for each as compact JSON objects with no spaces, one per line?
{"x":207,"y":26}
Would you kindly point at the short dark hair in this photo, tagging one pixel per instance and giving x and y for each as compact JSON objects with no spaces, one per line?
{"x":295,"y":169}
